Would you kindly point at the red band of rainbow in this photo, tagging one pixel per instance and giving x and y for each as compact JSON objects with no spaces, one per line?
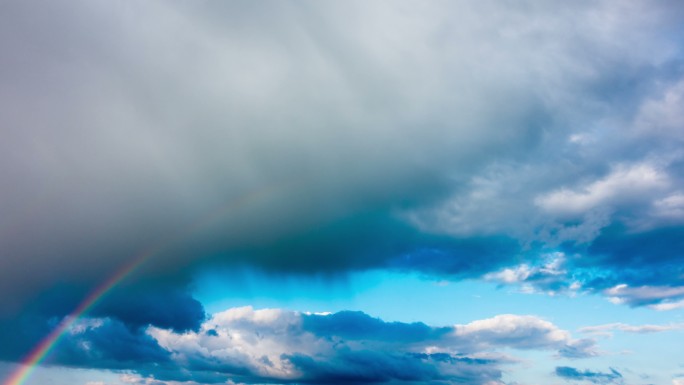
{"x":40,"y":351}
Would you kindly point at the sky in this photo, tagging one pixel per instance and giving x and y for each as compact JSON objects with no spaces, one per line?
{"x":341,"y":192}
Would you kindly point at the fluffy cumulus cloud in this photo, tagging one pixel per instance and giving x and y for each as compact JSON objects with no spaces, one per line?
{"x":244,"y":345}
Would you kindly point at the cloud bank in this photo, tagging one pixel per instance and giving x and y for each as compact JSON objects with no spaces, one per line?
{"x":244,"y":345}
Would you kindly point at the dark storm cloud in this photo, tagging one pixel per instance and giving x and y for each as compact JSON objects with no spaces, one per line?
{"x":572,"y":374}
{"x":21,"y":334}
{"x":126,"y":311}
{"x":92,"y":343}
{"x":244,"y":345}
{"x":460,"y":257}
{"x":453,"y":139}
{"x":158,"y":306}
{"x":353,"y":367}
{"x":107,"y":343}
{"x":372,"y":239}
{"x":119,"y":137}
{"x":359,"y":325}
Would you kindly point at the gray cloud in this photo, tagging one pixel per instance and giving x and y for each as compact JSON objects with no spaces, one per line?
{"x":308,"y":136}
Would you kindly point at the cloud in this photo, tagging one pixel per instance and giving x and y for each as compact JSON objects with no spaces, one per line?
{"x":622,"y":186}
{"x":671,"y":206}
{"x":360,"y":326}
{"x":276,"y":346}
{"x":662,"y":116}
{"x":551,"y":277}
{"x":572,"y":374}
{"x":135,"y":379}
{"x":128,"y":310}
{"x":649,"y":272}
{"x":668,"y":305}
{"x":159,"y":306}
{"x":619,"y":326}
{"x":110,"y":344}
{"x":523,"y":332}
{"x":657,"y":297}
{"x":113,"y":159}
{"x":282,"y":137}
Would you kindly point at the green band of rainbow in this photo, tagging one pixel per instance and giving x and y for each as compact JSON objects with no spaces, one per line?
{"x":40,"y":351}
{"x":48,"y":343}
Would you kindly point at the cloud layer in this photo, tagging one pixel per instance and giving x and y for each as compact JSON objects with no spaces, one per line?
{"x":247,"y":144}
{"x":244,"y":345}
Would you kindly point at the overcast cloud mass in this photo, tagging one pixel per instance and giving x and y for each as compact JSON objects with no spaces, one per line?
{"x":537,"y":146}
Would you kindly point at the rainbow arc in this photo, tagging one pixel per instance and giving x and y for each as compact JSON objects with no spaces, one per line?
{"x":48,"y":343}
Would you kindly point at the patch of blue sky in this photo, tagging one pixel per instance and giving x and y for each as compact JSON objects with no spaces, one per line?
{"x":410,"y":297}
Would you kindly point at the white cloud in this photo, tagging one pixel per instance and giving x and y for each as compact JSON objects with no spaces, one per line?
{"x":255,"y":339}
{"x":139,"y":380}
{"x":656,"y":297}
{"x":670,"y":207}
{"x":625,"y":184}
{"x":516,"y":274}
{"x":262,"y":341}
{"x":523,"y":332}
{"x":668,"y":305}
{"x":663,"y":115}
{"x":551,"y":277}
{"x":606,"y":329}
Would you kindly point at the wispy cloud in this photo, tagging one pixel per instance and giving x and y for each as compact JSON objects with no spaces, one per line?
{"x":640,"y":329}
{"x":569,"y":373}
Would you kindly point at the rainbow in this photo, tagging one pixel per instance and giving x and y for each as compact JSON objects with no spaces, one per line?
{"x":42,"y":349}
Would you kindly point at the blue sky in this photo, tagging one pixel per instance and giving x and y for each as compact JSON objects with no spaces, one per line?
{"x":343,"y":192}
